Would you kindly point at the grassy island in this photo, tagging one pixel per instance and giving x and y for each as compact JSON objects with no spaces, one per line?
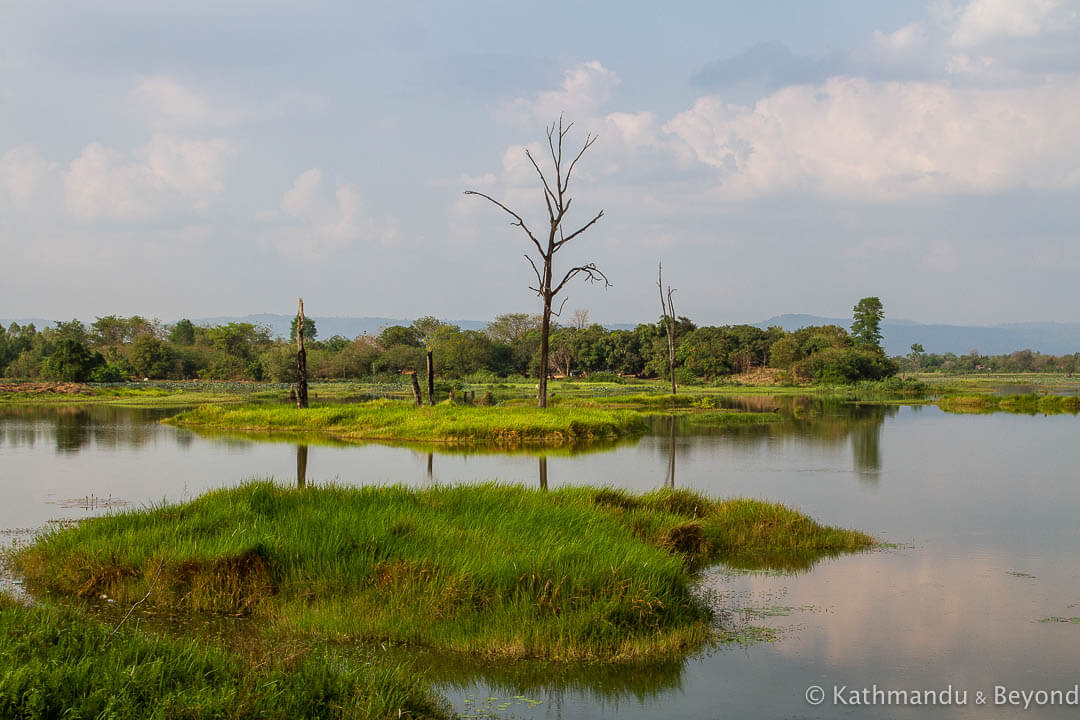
{"x":494,"y":571}
{"x":1029,"y":404}
{"x":401,"y":421}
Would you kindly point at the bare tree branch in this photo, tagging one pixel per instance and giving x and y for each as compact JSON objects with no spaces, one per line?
{"x":548,"y":195}
{"x":539,"y":280}
{"x":591,"y":272}
{"x":520,"y":223}
{"x":589,"y":140}
{"x":580,"y":230}
{"x":558,"y":204}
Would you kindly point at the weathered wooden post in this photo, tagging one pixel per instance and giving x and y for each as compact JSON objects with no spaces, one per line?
{"x":416,"y":389}
{"x":543,"y":472}
{"x":301,"y":466}
{"x":301,"y":359}
{"x":430,"y":379}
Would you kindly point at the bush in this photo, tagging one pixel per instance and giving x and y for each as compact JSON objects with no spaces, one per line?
{"x":834,"y":365}
{"x":108,"y":373}
{"x":608,"y":377}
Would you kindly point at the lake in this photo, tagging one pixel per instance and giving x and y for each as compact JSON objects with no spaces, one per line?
{"x":979,"y":588}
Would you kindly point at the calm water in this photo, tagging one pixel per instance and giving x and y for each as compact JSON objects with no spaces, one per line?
{"x":983,"y":510}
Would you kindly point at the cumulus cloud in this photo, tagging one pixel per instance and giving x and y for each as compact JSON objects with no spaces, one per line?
{"x":323,"y":224}
{"x":585,"y":88}
{"x":167,"y":175}
{"x":984,"y":21}
{"x":164,"y":103}
{"x":853,"y":136}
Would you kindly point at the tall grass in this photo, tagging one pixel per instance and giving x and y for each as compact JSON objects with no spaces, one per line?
{"x":500,"y":571}
{"x":391,"y":420}
{"x":56,"y":663}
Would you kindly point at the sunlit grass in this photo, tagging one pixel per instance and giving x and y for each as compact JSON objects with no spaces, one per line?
{"x":401,"y":421}
{"x":496,"y":571}
{"x":57,"y":663}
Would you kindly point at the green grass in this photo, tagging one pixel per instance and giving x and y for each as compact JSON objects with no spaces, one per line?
{"x":731,"y":418}
{"x":58,"y":663}
{"x":400,"y":421}
{"x":495,"y":571}
{"x":1030,"y":404}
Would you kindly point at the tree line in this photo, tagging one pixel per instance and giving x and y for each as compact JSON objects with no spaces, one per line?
{"x":114,"y":349}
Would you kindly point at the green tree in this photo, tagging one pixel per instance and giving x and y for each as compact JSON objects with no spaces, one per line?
{"x":182,"y":333}
{"x":916,"y":355}
{"x":72,"y":360}
{"x":866,"y":324}
{"x":150,"y":357}
{"x":310,"y":332}
{"x":511,"y":327}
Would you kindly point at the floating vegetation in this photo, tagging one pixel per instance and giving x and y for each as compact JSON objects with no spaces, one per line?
{"x":1055,"y":619}
{"x":90,"y":502}
{"x":490,"y":707}
{"x":1017,"y":573}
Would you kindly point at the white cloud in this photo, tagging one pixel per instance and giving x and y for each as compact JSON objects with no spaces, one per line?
{"x":325,"y":226}
{"x":585,"y":88}
{"x":23,"y":173}
{"x":167,"y":175}
{"x":983,"y":21}
{"x":852,"y":136}
{"x":164,"y":103}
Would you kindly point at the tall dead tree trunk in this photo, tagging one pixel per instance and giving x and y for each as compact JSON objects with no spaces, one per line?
{"x":301,"y":359}
{"x":557,"y":203}
{"x":430,"y":379}
{"x":667,"y":307}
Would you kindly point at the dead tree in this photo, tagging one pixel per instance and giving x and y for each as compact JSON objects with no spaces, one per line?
{"x":301,"y":359}
{"x":667,"y":307}
{"x":558,"y":203}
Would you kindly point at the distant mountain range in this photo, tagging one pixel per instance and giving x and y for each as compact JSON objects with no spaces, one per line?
{"x":1045,"y":337}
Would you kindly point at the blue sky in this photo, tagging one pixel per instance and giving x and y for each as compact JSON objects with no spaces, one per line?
{"x":209,"y":158}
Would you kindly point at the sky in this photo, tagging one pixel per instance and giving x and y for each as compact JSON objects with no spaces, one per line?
{"x":221,"y":158}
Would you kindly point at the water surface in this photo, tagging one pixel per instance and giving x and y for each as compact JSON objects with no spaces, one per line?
{"x":982,"y":509}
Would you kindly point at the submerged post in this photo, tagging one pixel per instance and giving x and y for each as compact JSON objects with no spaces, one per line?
{"x":301,"y":466}
{"x":301,"y":359}
{"x":670,"y":481}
